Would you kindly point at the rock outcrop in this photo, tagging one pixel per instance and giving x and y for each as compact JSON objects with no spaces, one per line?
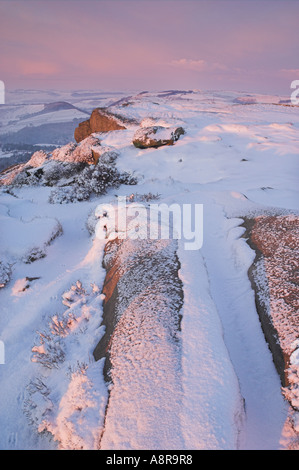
{"x":37,"y":159}
{"x":156,"y":136}
{"x":274,"y":239}
{"x":100,"y":120}
{"x":274,"y":277}
{"x":76,"y":171}
{"x":86,"y":151}
{"x":141,"y":344}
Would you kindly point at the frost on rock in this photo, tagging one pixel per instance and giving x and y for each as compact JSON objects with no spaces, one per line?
{"x":64,"y":153}
{"x":68,"y":397}
{"x":76,"y":171}
{"x":156,"y":136}
{"x":141,"y":344}
{"x":276,"y":277}
{"x":87,"y":151}
{"x":37,"y":159}
{"x":277,"y":239}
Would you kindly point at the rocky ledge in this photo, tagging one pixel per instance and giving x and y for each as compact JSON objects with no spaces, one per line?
{"x":274,"y":277}
{"x":101,"y":120}
{"x":141,"y":344}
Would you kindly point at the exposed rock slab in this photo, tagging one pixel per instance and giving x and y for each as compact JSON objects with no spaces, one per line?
{"x":274,"y":276}
{"x":143,"y":298}
{"x":100,"y":120}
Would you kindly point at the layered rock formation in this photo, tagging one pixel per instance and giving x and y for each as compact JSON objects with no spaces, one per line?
{"x":100,"y":120}
{"x":274,"y":276}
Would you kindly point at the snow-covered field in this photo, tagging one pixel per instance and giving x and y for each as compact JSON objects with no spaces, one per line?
{"x":238,"y":157}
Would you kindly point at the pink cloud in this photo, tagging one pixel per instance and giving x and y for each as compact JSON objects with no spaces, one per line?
{"x":147,"y":44}
{"x":290,"y":72}
{"x":199,"y":65}
{"x":37,"y":68}
{"x":190,"y":64}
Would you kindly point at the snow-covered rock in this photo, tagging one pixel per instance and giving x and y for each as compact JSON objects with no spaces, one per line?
{"x":75,"y":170}
{"x":156,"y":136}
{"x":37,"y":159}
{"x":275,"y":280}
{"x":87,"y":151}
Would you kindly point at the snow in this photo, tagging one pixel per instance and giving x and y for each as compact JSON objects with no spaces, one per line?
{"x":77,"y":423}
{"x":15,"y":121}
{"x":5,"y":154}
{"x":20,"y":286}
{"x":218,"y":387}
{"x":19,"y":237}
{"x":212,"y":411}
{"x":37,"y":159}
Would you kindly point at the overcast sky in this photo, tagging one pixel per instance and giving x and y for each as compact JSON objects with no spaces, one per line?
{"x":243,"y":45}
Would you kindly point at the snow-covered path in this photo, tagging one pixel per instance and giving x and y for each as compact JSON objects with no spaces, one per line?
{"x":212,"y":414}
{"x":227,"y":258}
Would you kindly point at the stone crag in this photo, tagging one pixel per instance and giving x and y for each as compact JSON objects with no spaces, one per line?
{"x":142,"y":343}
{"x":156,"y":136}
{"x":274,"y":279}
{"x":100,"y":120}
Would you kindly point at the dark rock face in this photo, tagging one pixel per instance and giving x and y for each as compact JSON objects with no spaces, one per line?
{"x":99,"y":121}
{"x":82,"y":131}
{"x":156,"y":136}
